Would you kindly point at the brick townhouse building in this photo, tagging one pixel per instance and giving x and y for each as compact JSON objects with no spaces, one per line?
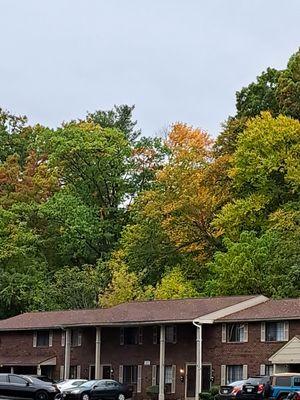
{"x":183,"y":346}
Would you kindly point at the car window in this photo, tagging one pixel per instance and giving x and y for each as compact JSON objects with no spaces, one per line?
{"x":297,"y":381}
{"x":112,"y":384}
{"x":89,"y":384}
{"x":3,"y":378}
{"x":17,"y":379}
{"x":100,"y":383}
{"x":283,"y":381}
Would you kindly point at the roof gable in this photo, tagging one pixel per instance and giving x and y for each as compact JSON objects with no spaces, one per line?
{"x":288,"y":354}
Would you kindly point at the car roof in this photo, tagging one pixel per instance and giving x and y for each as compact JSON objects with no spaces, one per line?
{"x":288,"y":374}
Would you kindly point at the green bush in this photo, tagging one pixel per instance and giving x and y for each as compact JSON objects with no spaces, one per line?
{"x":214,"y":390}
{"x":205,"y":396}
{"x":210,"y":395}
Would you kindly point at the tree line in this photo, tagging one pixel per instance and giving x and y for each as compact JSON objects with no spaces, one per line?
{"x":93,"y":214}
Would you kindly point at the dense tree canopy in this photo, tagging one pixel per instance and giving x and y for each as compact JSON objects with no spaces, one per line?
{"x":93,"y":214}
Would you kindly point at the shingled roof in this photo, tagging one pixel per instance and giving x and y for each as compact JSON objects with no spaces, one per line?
{"x":147,"y":312}
{"x":270,"y":310}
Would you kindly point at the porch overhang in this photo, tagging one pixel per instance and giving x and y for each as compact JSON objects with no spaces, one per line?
{"x":29,"y":361}
{"x":288,"y":354}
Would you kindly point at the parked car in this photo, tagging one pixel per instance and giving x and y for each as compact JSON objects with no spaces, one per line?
{"x":14,"y":386}
{"x":229,"y":391}
{"x":255,"y":388}
{"x":293,"y":396}
{"x":70,"y":383}
{"x":98,"y":389}
{"x":110,"y":389}
{"x":283,"y":384}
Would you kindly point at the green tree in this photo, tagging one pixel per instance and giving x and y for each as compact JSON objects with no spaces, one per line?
{"x":266,"y":265}
{"x":174,"y":285}
{"x":72,"y":288}
{"x":288,"y":89}
{"x":259,"y":96}
{"x":119,"y":117}
{"x":265,"y":173}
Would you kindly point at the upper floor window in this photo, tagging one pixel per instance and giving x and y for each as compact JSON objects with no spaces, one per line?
{"x":76,"y":337}
{"x":275,"y":332}
{"x":171,"y":334}
{"x":42,"y":338}
{"x":131,"y":335}
{"x":235,"y":333}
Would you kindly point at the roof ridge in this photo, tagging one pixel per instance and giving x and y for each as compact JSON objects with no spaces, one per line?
{"x":187,"y":298}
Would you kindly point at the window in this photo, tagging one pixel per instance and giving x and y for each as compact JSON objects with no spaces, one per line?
{"x":284,"y":381}
{"x":296,"y":381}
{"x":234,"y":373}
{"x":131,"y":335}
{"x":235,"y":332}
{"x":17,"y":379}
{"x":73,"y":371}
{"x":112,"y":384}
{"x":275,"y":331}
{"x":42,"y":338}
{"x":3,"y":378}
{"x":171,"y":334}
{"x":130,"y":373}
{"x":269,"y":370}
{"x":168,"y":377}
{"x":75,"y":338}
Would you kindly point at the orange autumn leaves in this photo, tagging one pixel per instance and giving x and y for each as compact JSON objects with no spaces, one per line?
{"x":190,"y":190}
{"x":32,"y":182}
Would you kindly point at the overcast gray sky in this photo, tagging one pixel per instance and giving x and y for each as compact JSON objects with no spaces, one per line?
{"x":176,"y":60}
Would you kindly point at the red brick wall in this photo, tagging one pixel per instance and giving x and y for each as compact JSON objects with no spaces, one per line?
{"x":253,"y":353}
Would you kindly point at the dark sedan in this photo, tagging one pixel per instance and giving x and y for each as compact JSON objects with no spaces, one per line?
{"x":256,"y":388}
{"x":230,"y":391}
{"x":98,"y":389}
{"x":14,"y":386}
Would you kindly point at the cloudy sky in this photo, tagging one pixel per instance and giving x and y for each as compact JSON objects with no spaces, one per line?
{"x":176,"y":60}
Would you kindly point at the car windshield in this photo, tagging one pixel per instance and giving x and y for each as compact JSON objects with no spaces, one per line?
{"x":237,"y":383}
{"x":88,"y":384}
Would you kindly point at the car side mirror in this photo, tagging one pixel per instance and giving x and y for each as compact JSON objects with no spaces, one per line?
{"x":95,"y":386}
{"x":27,"y":383}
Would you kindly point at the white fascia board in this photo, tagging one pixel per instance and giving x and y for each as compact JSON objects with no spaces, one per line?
{"x":243,"y":305}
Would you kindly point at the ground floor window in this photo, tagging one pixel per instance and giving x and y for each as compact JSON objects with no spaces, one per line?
{"x":130,"y":373}
{"x":234,"y":373}
{"x":168,"y":378}
{"x":269,"y":370}
{"x":74,"y":371}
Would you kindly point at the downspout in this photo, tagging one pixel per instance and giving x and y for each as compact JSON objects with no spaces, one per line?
{"x":198,"y":386}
